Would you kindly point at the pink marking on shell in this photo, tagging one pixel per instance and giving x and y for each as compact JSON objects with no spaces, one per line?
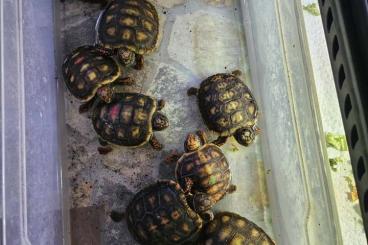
{"x":79,"y":60}
{"x":114,"y":112}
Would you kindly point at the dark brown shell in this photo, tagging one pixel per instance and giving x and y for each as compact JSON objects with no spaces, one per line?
{"x":86,"y":69}
{"x":159,"y":214}
{"x":131,"y":24}
{"x":232,"y":229}
{"x":208,"y":169}
{"x":127,"y":120}
{"x":226,"y":104}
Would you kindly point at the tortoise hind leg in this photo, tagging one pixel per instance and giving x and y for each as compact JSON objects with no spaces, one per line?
{"x":160,"y":105}
{"x":221,"y":140}
{"x":232,"y":189}
{"x":192,"y":91}
{"x":139,"y":62}
{"x":155,"y":143}
{"x":83,"y":108}
{"x":104,"y":148}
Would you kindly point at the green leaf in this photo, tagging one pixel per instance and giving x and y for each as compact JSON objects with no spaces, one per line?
{"x":336,"y":141}
{"x":312,"y":9}
{"x":212,"y":180}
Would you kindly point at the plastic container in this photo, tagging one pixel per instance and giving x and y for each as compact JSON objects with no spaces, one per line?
{"x":48,"y":151}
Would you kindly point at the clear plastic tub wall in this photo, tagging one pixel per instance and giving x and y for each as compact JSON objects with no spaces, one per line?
{"x":36,"y":195}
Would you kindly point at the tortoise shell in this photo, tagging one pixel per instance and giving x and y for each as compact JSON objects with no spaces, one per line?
{"x":131,"y":24}
{"x":126,"y":121}
{"x":208,"y":169}
{"x":226,"y":104}
{"x":232,"y":229}
{"x":159,"y":214}
{"x":86,"y":69}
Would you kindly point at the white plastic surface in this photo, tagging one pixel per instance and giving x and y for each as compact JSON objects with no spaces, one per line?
{"x":272,"y":55}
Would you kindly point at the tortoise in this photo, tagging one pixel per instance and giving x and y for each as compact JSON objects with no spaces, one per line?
{"x":232,"y":229}
{"x":160,"y":214}
{"x":128,"y":29}
{"x":87,"y":72}
{"x":203,"y":172}
{"x":129,"y":120}
{"x":228,"y":107}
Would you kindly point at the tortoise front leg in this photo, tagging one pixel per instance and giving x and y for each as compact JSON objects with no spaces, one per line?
{"x":139,"y":62}
{"x":221,"y":140}
{"x":202,"y":135}
{"x":173,"y":157}
{"x":155,"y":143}
{"x":192,"y":91}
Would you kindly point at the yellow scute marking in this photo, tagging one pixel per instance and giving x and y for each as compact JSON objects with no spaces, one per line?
{"x":104,"y":68}
{"x":231,"y":106}
{"x":226,"y":95}
{"x":84,"y":67}
{"x":240,"y":223}
{"x":131,"y":11}
{"x":224,"y":233}
{"x":111,"y":31}
{"x":135,"y":131}
{"x":238,"y":240}
{"x":109,"y":18}
{"x":254,"y":233}
{"x":225,"y":218}
{"x":237,"y":117}
{"x":251,"y":109}
{"x":141,"y":36}
{"x":126,"y":35}
{"x":127,"y":21}
{"x":92,"y":75}
{"x":80,"y":86}
{"x":148,"y":25}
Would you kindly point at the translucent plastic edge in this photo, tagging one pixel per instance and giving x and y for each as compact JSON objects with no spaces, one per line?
{"x":286,"y":9}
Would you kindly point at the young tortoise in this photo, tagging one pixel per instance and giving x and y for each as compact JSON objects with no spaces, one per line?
{"x":228,"y":108}
{"x":87,"y":72}
{"x":129,"y":120}
{"x":130,"y":29}
{"x":232,"y":229}
{"x":160,"y":214}
{"x":203,"y":172}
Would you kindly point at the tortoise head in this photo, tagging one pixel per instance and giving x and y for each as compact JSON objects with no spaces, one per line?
{"x":245,"y":136}
{"x":159,"y":121}
{"x":192,"y":143}
{"x":126,"y":56}
{"x":202,"y":204}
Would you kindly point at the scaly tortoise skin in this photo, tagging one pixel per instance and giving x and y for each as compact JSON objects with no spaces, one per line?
{"x":129,"y":28}
{"x":228,"y":107}
{"x":86,"y":70}
{"x":129,"y":120}
{"x":159,"y":214}
{"x":204,"y":170}
{"x":232,"y":229}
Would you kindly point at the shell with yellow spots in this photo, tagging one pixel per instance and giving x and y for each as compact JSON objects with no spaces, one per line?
{"x":208,"y":170}
{"x":226,"y":104}
{"x":232,"y":229}
{"x":160,"y":214}
{"x":86,"y":69}
{"x":126,"y":121}
{"x":131,"y":24}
